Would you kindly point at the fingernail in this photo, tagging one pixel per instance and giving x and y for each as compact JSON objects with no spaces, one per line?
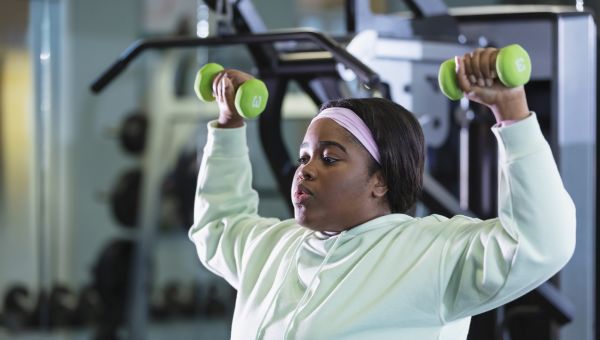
{"x":473,"y":79}
{"x":493,"y":74}
{"x":480,"y":82}
{"x":489,"y":82}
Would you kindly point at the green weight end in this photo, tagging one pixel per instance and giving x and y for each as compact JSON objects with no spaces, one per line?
{"x":513,"y":66}
{"x":251,"y":98}
{"x":447,"y":80}
{"x":204,"y":79}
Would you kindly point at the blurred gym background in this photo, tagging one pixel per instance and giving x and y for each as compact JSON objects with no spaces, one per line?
{"x":96,"y":188}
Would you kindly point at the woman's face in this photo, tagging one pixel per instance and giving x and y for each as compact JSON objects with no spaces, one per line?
{"x":332,"y":189}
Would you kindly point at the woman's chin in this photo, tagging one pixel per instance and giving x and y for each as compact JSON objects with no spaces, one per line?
{"x":309,"y":221}
{"x":302,"y":219}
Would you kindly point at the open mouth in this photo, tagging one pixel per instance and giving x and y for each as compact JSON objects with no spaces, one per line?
{"x":302,"y":194}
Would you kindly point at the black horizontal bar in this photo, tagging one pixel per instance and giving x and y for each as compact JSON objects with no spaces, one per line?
{"x":556,"y":304}
{"x":339,"y":53}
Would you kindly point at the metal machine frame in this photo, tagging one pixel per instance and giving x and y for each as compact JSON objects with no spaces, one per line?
{"x":562,"y":92}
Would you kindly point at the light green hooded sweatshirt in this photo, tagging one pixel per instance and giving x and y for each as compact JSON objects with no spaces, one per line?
{"x":394,"y":277}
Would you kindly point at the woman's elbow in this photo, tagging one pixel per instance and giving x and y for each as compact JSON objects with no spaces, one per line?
{"x":569,"y":242}
{"x":552,"y":246}
{"x":564,"y":243}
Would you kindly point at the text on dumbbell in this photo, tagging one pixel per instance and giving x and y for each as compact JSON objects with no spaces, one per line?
{"x":256,"y":100}
{"x":520,"y":64}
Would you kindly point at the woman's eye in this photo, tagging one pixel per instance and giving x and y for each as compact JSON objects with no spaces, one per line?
{"x":329,"y":160}
{"x":302,"y":160}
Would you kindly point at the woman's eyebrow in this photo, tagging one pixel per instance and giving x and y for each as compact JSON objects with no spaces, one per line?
{"x":325,"y":143}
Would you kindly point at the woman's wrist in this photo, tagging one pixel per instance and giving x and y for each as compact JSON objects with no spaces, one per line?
{"x":230,"y":123}
{"x":511,"y":109}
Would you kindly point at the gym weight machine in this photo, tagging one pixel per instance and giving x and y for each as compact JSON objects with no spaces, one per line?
{"x":561,"y":41}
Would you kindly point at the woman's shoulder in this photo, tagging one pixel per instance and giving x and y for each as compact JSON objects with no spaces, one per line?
{"x":274,"y":229}
{"x":436,"y":223}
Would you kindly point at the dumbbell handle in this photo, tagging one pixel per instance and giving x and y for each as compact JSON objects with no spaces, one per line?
{"x":513,"y":67}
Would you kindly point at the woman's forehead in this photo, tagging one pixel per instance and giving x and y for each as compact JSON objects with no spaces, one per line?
{"x":327,"y":129}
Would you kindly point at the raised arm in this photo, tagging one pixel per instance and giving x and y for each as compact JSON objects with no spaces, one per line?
{"x":225,"y":211}
{"x":488,"y":263}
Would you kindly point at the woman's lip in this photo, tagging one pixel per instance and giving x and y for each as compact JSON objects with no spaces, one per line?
{"x":301,"y":196}
{"x":302,"y":188}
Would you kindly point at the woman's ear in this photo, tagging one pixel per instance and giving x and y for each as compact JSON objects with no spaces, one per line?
{"x":379,"y":188}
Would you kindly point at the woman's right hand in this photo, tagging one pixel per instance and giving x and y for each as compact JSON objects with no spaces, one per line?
{"x":477,"y":78}
{"x":225,"y":85}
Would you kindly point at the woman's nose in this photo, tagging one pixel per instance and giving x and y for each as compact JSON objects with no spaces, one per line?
{"x":307,"y":172}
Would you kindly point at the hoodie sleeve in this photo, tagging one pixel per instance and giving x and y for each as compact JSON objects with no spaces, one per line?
{"x":227,"y":228}
{"x":488,"y":263}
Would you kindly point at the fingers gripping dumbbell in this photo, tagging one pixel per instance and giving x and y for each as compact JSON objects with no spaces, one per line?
{"x":250,"y":98}
{"x":513,"y":67}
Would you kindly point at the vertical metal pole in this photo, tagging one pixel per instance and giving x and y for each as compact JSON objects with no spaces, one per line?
{"x":464,"y":115}
{"x":40,"y":15}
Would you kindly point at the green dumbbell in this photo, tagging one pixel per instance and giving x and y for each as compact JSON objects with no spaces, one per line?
{"x":513,"y":67}
{"x":250,"y":98}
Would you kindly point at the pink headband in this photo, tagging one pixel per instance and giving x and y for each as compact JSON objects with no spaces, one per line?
{"x":356,"y":126}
